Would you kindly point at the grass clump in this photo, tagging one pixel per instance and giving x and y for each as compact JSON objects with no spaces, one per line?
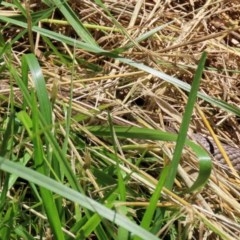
{"x":88,"y":92}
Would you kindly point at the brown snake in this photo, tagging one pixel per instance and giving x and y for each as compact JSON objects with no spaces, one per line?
{"x":232,"y":152}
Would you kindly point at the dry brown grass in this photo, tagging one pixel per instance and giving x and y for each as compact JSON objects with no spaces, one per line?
{"x":137,"y":98}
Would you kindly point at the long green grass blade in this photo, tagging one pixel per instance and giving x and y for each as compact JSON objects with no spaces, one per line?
{"x":181,"y":84}
{"x":184,"y":126}
{"x":56,"y":36}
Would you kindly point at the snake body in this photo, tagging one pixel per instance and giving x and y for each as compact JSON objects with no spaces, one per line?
{"x":232,"y":152}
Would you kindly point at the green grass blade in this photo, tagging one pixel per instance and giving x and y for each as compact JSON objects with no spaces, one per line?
{"x":205,"y":168}
{"x":7,"y":134}
{"x":185,"y":124}
{"x":122,"y":233}
{"x":54,"y":35}
{"x":119,"y":26}
{"x":74,"y":21}
{"x":7,"y":223}
{"x":31,"y":62}
{"x":181,"y":84}
{"x":120,"y":182}
{"x":147,"y":35}
{"x":56,"y":51}
{"x":149,"y":213}
{"x":22,"y":233}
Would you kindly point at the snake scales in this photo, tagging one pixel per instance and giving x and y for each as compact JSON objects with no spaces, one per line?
{"x":232,"y":152}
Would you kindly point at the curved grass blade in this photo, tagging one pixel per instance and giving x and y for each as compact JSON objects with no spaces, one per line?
{"x":185,"y":124}
{"x":204,"y":160}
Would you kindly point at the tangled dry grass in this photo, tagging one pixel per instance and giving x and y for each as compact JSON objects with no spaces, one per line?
{"x":138,"y":98}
